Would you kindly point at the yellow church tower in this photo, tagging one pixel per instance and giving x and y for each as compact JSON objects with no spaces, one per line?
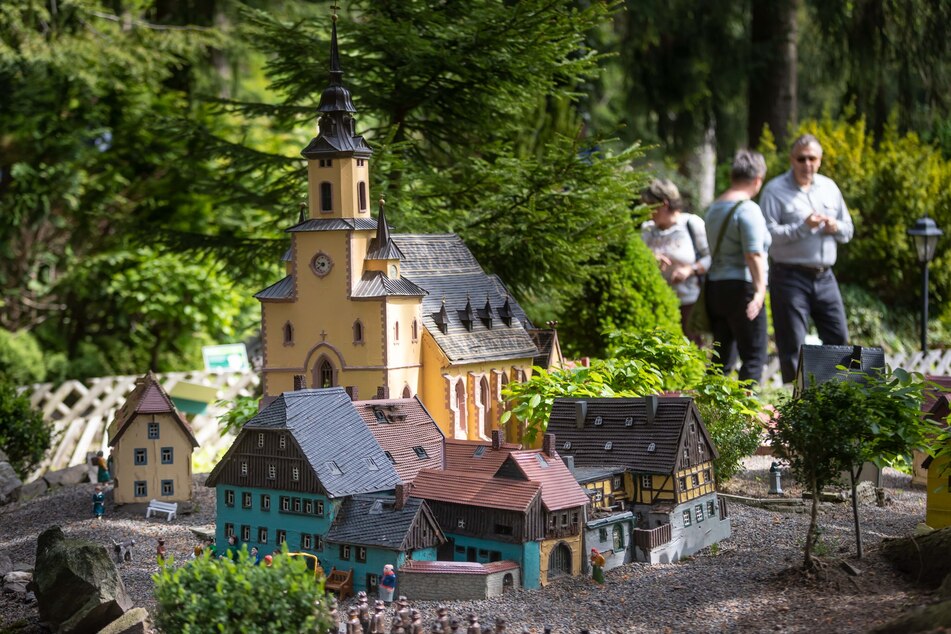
{"x":388,"y":315}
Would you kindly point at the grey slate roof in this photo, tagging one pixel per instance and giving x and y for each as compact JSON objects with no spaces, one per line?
{"x":629,"y":444}
{"x":372,"y":520}
{"x":334,"y":224}
{"x":376,"y":284}
{"x":446,"y":269}
{"x":282,"y":289}
{"x":544,"y":341}
{"x":592,"y":474}
{"x":820,"y":362}
{"x":328,"y":429}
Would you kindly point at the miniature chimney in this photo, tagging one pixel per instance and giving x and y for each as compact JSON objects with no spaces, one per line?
{"x":496,"y":439}
{"x":401,"y":493}
{"x":581,"y":411}
{"x":548,"y":445}
{"x":352,"y":392}
{"x":650,"y":402}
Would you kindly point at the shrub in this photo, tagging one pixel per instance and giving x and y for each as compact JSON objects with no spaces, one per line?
{"x":241,"y":411}
{"x":24,"y":435}
{"x":213,"y":595}
{"x":21,"y":359}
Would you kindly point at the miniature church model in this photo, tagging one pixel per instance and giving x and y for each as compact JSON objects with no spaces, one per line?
{"x":386,"y":315}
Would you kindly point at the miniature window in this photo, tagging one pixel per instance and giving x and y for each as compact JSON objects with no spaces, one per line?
{"x":295,"y":474}
{"x":502,"y":529}
{"x":281,"y":536}
{"x":711,"y":509}
{"x":229,"y":530}
{"x":305,"y":541}
{"x":698,"y":511}
{"x":687,"y":520}
{"x":325,"y":162}
{"x":645,"y":482}
{"x":390,"y":457}
{"x":618,"y":537}
{"x":141,"y":489}
{"x":282,"y":442}
{"x":271,"y":472}
{"x":420,"y":452}
{"x":168,"y":455}
{"x":260,"y":440}
{"x":326,"y":374}
{"x":706,"y":475}
{"x":461,"y":523}
{"x":333,"y":467}
{"x":300,"y":382}
{"x":598,"y":421}
{"x":693,"y":428}
{"x":694,"y":480}
{"x":153,"y":431}
{"x":262,"y":534}
{"x":265,"y":502}
{"x":360,"y":162}
{"x":616,"y":483}
{"x":683,"y":483}
{"x":345,"y":552}
{"x":168,"y":487}
{"x":396,"y":331}
{"x":357,"y":332}
{"x":629,"y":421}
{"x":288,"y":333}
{"x":244,"y":468}
{"x":564,"y":519}
{"x":326,"y":197}
{"x":479,"y":451}
{"x":297,"y":505}
{"x":461,"y":550}
{"x":318,"y":542}
{"x":141,"y":457}
{"x":245,"y":533}
{"x":379,"y":415}
{"x":598,"y":495}
{"x":285,"y":503}
{"x":362,"y":195}
{"x":608,"y":445}
{"x":229,"y":498}
{"x":309,"y":507}
{"x":686,"y":456}
{"x":551,"y":521}
{"x":574,"y":519}
{"x":602,"y":535}
{"x":371,"y":464}
{"x":319,"y":510}
{"x":651,"y":448}
{"x":361,"y":554}
{"x":415,"y":330}
{"x":567,"y":445}
{"x":700,"y":448}
{"x":246,"y":500}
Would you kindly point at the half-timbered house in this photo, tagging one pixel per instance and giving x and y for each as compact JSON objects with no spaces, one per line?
{"x":667,"y":456}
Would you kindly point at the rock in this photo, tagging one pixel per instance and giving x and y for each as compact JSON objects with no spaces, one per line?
{"x":22,"y":566}
{"x":32,"y":490}
{"x":926,"y":558}
{"x":67,"y":477}
{"x":18,"y":576}
{"x":6,"y":565}
{"x":203,"y":536}
{"x":9,"y":482}
{"x":932,"y":618}
{"x":76,"y":583}
{"x":849,"y":568}
{"x":135,"y":621}
{"x":14,"y":588}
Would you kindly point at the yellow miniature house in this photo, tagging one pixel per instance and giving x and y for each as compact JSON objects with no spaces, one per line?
{"x":938,"y":505}
{"x":386,"y":315}
{"x":152,"y":447}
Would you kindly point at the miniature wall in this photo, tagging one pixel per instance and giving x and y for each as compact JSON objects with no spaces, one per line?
{"x":574,"y":544}
{"x":444,"y":586}
{"x":939,"y":494}
{"x":153,"y":473}
{"x":686,"y":540}
{"x":526,"y":555}
{"x":600,"y":534}
{"x":375,"y":560}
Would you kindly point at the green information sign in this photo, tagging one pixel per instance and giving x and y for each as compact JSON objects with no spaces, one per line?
{"x":231,"y":357}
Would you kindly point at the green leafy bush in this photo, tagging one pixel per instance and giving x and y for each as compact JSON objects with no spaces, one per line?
{"x":21,"y":359}
{"x":213,"y":595}
{"x":241,"y":411}
{"x":24,"y":435}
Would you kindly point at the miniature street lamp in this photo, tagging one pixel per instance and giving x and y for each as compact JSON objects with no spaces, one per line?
{"x":925,"y":233}
{"x":775,"y":487}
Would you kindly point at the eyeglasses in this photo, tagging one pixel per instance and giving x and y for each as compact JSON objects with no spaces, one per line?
{"x":803,"y":159}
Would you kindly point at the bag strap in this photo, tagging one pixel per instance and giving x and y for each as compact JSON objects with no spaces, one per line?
{"x":693,"y":239}
{"x":713,"y":256}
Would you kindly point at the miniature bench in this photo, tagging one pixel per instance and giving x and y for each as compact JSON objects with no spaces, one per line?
{"x":341,"y":582}
{"x":156,"y":506}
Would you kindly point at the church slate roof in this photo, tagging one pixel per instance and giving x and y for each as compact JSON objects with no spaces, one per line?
{"x":331,"y":434}
{"x":376,"y":284}
{"x":334,"y":224}
{"x":282,"y":289}
{"x":443,"y":266}
{"x":374,"y":520}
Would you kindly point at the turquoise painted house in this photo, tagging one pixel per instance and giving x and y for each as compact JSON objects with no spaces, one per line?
{"x":301,"y":472}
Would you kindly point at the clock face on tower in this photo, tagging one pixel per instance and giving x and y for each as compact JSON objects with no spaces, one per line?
{"x":321,"y":264}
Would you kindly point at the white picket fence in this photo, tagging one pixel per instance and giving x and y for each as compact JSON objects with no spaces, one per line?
{"x":81,"y":411}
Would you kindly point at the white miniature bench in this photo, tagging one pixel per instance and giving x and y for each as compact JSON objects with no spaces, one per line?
{"x":157,"y":506}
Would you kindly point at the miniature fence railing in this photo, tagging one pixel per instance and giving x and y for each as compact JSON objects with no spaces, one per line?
{"x":935,"y":362}
{"x":653,"y":538}
{"x":81,"y":411}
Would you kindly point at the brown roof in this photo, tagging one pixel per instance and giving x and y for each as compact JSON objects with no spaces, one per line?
{"x":401,"y":425}
{"x":940,"y":409}
{"x":148,"y":397}
{"x":458,"y":567}
{"x":475,"y":489}
{"x":464,"y":455}
{"x":560,"y":490}
{"x":932,"y":394}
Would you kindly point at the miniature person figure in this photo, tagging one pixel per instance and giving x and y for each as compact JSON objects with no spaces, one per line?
{"x":442,"y":619}
{"x":597,"y":566}
{"x":99,"y":502}
{"x":376,"y":621}
{"x":363,"y":606}
{"x":268,"y":560}
{"x":255,"y":556}
{"x":454,"y":626}
{"x":416,"y":625}
{"x":353,"y":622}
{"x":160,"y":552}
{"x":403,"y":611}
{"x":198,"y":551}
{"x":233,"y":547}
{"x":102,"y":469}
{"x":396,"y":625}
{"x":499,"y":625}
{"x":334,"y":614}
{"x":387,"y":584}
{"x":474,"y":627}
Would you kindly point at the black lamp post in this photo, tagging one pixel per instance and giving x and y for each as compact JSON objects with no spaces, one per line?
{"x":925,"y":233}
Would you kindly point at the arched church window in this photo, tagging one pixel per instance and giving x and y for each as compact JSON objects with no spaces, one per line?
{"x":362,"y":195}
{"x":326,"y":197}
{"x":325,"y":374}
{"x":357,"y":332}
{"x":288,"y":334}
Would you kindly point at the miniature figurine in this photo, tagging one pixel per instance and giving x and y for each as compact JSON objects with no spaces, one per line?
{"x":499,"y":625}
{"x":442,"y":619}
{"x":198,"y":551}
{"x":376,"y":621}
{"x":160,"y":552}
{"x":98,"y":502}
{"x":454,"y":626}
{"x":474,"y":627}
{"x":234,"y":547}
{"x":353,"y":622}
{"x":597,"y":566}
{"x":123,"y":550}
{"x":363,"y":606}
{"x":403,"y":612}
{"x":334,"y":612}
{"x":268,"y":560}
{"x":387,"y":584}
{"x":416,"y":626}
{"x":396,"y":625}
{"x":254,"y":556}
{"x":102,"y":469}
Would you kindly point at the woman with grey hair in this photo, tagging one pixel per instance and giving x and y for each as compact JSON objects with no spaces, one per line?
{"x":736,"y":282}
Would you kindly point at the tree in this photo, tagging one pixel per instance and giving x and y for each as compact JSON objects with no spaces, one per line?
{"x":838,"y":426}
{"x":649,"y":363}
{"x":773,"y":97}
{"x":211,"y":595}
{"x":24,"y":435}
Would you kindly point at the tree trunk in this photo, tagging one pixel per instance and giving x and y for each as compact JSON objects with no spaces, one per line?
{"x":854,"y":477}
{"x":813,"y":523}
{"x":772,"y":78}
{"x":702,"y":168}
{"x":926,"y":558}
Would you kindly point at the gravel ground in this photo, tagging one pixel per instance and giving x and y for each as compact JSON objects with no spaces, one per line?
{"x":749,"y":583}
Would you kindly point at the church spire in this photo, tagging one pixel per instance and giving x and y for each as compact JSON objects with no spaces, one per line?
{"x":382,"y":246}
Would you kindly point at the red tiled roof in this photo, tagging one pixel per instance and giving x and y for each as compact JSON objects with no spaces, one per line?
{"x":148,"y":397}
{"x":560,"y":489}
{"x":460,"y":455}
{"x":475,"y":489}
{"x":408,"y":425}
{"x":458,"y":567}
